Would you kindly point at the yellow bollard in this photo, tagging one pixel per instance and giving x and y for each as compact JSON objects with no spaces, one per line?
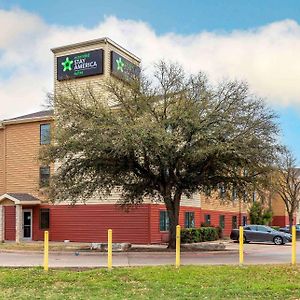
{"x":177,"y":246}
{"x":293,"y":245}
{"x":109,"y":249}
{"x":46,"y":250}
{"x":241,"y":240}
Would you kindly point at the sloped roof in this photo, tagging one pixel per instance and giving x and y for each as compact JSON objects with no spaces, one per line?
{"x":20,"y":198}
{"x":39,"y":114}
{"x":23,"y":196}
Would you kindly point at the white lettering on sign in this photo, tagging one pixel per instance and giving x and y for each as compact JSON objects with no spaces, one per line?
{"x":81,"y":64}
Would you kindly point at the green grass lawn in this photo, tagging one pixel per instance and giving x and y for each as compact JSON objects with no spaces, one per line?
{"x":190,"y":282}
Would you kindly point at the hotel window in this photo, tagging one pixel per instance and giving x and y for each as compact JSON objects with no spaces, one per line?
{"x":207,"y":219}
{"x":163,"y":220}
{"x":222,"y":191}
{"x":254,"y":196}
{"x":244,"y":220}
{"x":45,"y":134}
{"x":44,"y":218}
{"x":207,"y":192}
{"x":44,"y":176}
{"x":222,"y":221}
{"x":234,"y":193}
{"x":245,"y":196}
{"x":234,"y":222}
{"x":189,"y":221}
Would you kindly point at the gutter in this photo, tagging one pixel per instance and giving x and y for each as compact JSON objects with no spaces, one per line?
{"x":26,"y":120}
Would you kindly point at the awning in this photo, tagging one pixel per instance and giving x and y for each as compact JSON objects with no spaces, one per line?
{"x":20,"y":198}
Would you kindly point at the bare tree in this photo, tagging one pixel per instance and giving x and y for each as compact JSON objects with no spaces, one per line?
{"x":286,"y":183}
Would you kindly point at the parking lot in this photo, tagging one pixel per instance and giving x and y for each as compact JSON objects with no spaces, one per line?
{"x":264,"y":253}
{"x":254,"y":253}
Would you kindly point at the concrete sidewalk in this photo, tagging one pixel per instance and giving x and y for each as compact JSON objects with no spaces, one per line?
{"x":254,"y":254}
{"x":128,"y":259}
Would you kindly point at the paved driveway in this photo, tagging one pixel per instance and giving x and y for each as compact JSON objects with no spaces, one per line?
{"x":254,"y":254}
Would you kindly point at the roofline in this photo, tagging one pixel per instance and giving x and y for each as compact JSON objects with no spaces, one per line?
{"x":93,"y":42}
{"x":26,"y":120}
{"x":17,"y":201}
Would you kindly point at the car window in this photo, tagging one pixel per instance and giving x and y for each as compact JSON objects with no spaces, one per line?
{"x":263,"y":229}
{"x":247,"y":228}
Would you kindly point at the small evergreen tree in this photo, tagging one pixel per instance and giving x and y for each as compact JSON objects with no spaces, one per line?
{"x":260,"y":215}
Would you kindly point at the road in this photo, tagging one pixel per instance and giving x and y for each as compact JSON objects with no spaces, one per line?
{"x":254,"y":254}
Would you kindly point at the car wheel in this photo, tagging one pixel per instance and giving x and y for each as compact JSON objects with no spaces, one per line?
{"x":278,"y":240}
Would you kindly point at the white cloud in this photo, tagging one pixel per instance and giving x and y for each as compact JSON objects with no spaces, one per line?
{"x":267,"y":57}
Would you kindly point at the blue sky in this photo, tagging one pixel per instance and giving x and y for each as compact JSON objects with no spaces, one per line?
{"x":166,"y":16}
{"x":222,"y":25}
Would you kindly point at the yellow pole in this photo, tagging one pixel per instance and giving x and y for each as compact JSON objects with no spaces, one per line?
{"x":241,"y":239}
{"x":109,"y":249}
{"x":46,"y":250}
{"x":177,"y":246}
{"x":293,"y":245}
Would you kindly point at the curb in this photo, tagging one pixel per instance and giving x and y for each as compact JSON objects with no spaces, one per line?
{"x":85,"y":253}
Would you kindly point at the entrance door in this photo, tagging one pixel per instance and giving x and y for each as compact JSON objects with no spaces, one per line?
{"x":27,"y":224}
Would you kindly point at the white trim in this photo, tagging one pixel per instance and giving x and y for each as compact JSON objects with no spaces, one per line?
{"x":17,"y":201}
{"x":31,"y":223}
{"x":93,"y":42}
{"x":27,"y":120}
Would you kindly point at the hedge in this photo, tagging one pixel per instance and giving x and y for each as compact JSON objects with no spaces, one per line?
{"x":202,"y":234}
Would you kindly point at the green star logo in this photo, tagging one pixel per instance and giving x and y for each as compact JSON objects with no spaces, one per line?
{"x":67,"y":64}
{"x":120,"y":64}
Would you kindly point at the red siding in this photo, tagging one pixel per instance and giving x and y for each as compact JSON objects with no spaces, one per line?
{"x":10,"y":223}
{"x":158,"y":236}
{"x":282,"y":221}
{"x":215,"y":215}
{"x":89,"y":223}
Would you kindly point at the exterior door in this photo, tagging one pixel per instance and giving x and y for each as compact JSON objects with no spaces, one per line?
{"x":27,"y":224}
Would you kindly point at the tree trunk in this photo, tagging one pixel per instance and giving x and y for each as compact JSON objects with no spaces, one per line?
{"x":173,"y":206}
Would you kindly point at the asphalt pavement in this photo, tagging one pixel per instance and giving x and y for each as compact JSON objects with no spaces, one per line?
{"x":253,"y":254}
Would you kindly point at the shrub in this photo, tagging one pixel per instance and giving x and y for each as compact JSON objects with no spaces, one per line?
{"x":220,"y":232}
{"x":202,"y":234}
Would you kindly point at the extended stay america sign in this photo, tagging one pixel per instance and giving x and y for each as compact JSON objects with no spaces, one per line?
{"x":122,"y":67}
{"x":80,"y":64}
